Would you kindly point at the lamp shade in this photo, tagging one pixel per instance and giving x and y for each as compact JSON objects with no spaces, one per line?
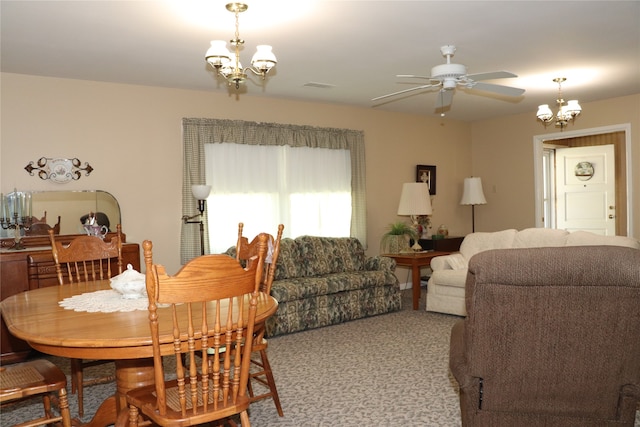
{"x":218,"y":54}
{"x":544,"y":112}
{"x":264,"y":59}
{"x":201,"y":192}
{"x":472,"y":192}
{"x":415,"y":199}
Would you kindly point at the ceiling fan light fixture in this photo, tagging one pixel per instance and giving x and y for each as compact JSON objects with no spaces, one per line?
{"x":448,"y":71}
{"x":566,"y":112}
{"x":449,"y":84}
{"x":228,"y":65}
{"x":446,"y":77}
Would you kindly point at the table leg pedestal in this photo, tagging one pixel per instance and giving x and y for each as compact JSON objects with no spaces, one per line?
{"x":130,"y":374}
{"x":105,"y":415}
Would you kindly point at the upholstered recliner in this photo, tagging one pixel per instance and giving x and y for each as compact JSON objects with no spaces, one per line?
{"x":552,"y":338}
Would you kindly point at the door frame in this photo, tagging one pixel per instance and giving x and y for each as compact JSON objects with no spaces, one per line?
{"x":539,"y":140}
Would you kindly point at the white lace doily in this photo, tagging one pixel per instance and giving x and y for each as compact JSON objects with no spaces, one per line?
{"x":106,"y":301}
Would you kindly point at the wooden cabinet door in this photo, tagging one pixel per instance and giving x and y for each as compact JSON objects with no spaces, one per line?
{"x":13,"y":280}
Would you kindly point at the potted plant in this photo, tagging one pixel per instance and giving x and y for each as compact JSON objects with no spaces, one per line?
{"x":396,"y":239}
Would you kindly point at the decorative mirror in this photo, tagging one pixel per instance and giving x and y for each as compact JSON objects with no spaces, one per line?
{"x":71,"y":207}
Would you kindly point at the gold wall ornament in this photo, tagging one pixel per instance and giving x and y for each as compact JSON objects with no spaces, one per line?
{"x":59,"y":170}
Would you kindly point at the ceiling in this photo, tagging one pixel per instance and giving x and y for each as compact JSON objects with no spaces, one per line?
{"x":342,"y":52}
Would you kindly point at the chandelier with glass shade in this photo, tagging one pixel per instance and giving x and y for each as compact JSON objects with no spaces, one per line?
{"x":566,"y":112}
{"x":228,"y":65}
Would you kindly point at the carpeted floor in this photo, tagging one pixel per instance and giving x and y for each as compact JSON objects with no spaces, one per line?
{"x":388,"y":370}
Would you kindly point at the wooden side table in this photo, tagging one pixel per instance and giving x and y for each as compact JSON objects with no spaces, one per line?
{"x":415,"y":260}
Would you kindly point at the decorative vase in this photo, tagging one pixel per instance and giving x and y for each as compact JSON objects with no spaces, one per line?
{"x":397,"y":244}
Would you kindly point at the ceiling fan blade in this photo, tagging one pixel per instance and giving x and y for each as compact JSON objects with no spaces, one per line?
{"x":499,"y":89}
{"x":444,"y":98}
{"x":491,"y":75}
{"x":412,"y":76}
{"x":403,"y":91}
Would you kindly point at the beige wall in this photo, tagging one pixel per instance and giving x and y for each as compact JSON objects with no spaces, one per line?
{"x":502,"y":153}
{"x":131,"y":136}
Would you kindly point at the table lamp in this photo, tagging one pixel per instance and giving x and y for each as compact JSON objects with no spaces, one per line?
{"x":415,"y":201}
{"x":472,"y":194}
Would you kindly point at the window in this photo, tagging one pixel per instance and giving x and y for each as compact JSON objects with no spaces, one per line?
{"x":306,"y":189}
{"x":308,"y":192}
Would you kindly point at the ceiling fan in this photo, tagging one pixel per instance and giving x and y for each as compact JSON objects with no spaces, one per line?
{"x":447,"y":77}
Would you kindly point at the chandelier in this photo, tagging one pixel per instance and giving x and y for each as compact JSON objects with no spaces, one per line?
{"x":219,"y":57}
{"x":565,"y":114}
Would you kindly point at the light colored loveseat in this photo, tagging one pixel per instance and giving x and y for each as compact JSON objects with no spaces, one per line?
{"x":445,"y":289}
{"x":322,"y":281}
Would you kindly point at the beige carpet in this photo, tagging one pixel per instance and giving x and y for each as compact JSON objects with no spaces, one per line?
{"x":388,"y":370}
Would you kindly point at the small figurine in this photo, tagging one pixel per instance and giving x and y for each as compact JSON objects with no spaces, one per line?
{"x":91,"y":219}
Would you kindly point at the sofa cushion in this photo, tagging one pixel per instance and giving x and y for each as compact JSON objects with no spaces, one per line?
{"x":584,"y":238}
{"x":539,"y":238}
{"x":483,"y":241}
{"x":292,"y":289}
{"x":325,"y":255}
{"x":288,"y":263}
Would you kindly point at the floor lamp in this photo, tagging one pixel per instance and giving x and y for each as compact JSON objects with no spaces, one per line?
{"x":200,"y":193}
{"x":472,"y":195}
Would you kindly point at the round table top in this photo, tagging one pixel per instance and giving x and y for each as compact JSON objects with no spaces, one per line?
{"x":36,"y":317}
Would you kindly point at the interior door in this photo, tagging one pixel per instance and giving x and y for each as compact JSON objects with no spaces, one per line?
{"x":585,"y":189}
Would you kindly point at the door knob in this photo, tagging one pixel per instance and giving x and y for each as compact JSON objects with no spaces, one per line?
{"x":611,"y":216}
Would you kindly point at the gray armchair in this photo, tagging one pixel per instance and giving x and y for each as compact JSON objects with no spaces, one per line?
{"x":552,"y":338}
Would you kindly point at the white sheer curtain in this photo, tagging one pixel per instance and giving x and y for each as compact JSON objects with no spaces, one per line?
{"x":306,"y":189}
{"x":200,"y":132}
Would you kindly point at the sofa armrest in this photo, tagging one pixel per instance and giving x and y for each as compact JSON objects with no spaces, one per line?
{"x":377,"y":262}
{"x":449,"y":262}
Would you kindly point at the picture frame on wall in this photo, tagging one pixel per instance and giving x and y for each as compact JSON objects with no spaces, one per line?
{"x":427,"y":174}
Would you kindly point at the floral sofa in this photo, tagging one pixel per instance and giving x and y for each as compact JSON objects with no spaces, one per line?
{"x":321,"y":281}
{"x":446,"y":287}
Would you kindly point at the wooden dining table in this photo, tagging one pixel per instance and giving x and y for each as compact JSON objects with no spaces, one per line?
{"x":37,"y":317}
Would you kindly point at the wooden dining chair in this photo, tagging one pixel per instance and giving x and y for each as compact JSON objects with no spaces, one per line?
{"x":219,"y":298}
{"x":36,"y":378}
{"x":264,"y":374}
{"x":39,"y":227}
{"x":87,"y":258}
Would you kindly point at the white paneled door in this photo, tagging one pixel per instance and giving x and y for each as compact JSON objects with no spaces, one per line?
{"x":585,"y":189}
